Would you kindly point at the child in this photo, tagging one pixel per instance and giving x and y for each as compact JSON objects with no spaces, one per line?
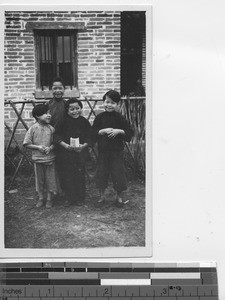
{"x":70,"y":158}
{"x":57,"y":104}
{"x":111,"y":129}
{"x":58,"y":112}
{"x":39,"y":138}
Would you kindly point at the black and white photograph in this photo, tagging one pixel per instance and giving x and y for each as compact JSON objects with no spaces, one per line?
{"x":77,"y":93}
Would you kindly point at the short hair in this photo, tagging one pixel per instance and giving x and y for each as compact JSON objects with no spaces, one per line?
{"x":40,"y":110}
{"x":57,"y":79}
{"x":112,"y":94}
{"x":71,"y":101}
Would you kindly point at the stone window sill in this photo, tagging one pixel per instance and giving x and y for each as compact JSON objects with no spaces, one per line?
{"x":47,"y":94}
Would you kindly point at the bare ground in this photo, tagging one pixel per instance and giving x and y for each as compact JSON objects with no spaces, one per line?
{"x":74,"y":227}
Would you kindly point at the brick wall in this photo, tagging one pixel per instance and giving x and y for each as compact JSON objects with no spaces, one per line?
{"x":98,"y":55}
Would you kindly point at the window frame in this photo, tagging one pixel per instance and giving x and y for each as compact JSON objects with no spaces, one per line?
{"x":55,"y":34}
{"x":73,"y":28}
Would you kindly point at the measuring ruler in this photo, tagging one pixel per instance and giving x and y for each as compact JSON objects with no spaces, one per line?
{"x":107,"y":281}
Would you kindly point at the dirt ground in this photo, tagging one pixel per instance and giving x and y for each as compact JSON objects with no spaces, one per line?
{"x":74,"y":227}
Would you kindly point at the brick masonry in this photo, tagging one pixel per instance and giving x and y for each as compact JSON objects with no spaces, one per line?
{"x":98,"y":48}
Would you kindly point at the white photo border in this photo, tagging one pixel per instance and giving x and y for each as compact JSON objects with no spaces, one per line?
{"x":108,"y":252}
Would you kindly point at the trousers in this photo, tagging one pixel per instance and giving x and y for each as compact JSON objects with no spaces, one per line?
{"x":46,"y":178}
{"x":71,"y":171}
{"x":111,"y":163}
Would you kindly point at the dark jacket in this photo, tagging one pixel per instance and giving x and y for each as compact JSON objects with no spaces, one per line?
{"x":74,"y":128}
{"x":111,"y":120}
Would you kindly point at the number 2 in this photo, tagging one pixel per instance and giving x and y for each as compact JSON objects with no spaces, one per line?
{"x":106,"y":291}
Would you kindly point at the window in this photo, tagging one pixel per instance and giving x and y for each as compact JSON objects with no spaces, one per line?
{"x":56,"y":56}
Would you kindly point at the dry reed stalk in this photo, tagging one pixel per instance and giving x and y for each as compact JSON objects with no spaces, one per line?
{"x":134,"y":112}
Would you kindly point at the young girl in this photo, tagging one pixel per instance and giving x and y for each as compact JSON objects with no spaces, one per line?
{"x":71,"y":158}
{"x":111,"y":130}
{"x":39,"y":138}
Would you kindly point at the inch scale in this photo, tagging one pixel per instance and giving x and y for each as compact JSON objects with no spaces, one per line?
{"x":108,"y":281}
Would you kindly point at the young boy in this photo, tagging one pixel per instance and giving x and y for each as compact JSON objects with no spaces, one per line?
{"x":57,"y":104}
{"x":71,"y":158}
{"x":111,"y":130}
{"x":39,"y":138}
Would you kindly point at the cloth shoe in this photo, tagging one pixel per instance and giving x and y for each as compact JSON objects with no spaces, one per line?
{"x":40,"y":203}
{"x":121,"y":201}
{"x":49,"y":204}
{"x":100,"y":202}
{"x":67,"y":203}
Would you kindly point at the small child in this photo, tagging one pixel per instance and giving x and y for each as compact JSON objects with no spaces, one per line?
{"x":70,"y":157}
{"x":57,"y":103}
{"x":39,"y":138}
{"x":111,"y":129}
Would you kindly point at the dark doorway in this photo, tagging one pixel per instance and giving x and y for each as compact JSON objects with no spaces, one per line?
{"x":133,"y":49}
